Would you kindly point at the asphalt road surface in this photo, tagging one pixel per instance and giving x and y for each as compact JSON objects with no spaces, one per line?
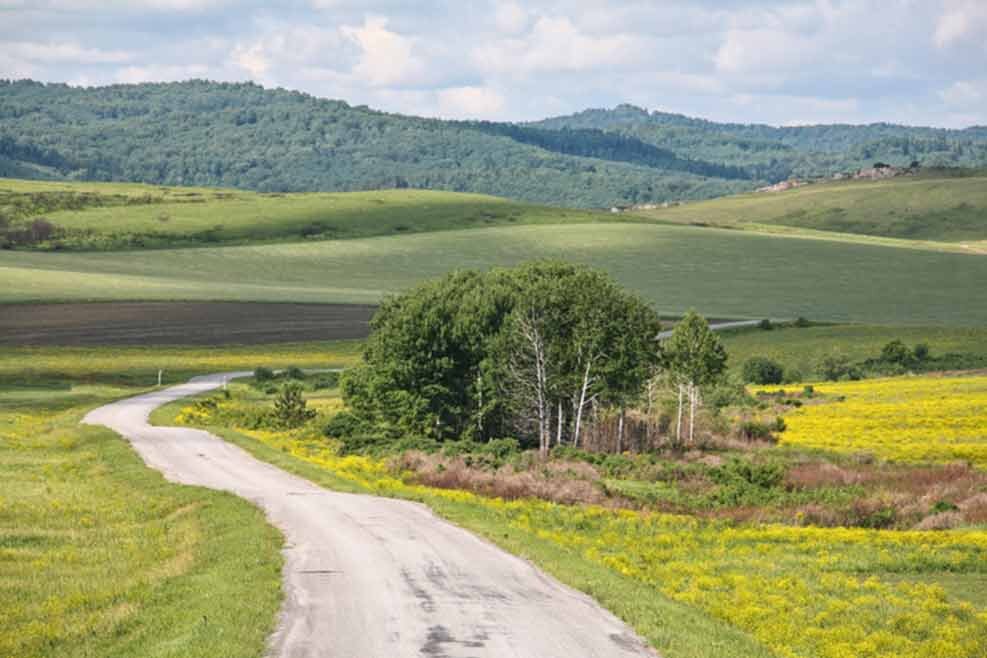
{"x":369,"y":577}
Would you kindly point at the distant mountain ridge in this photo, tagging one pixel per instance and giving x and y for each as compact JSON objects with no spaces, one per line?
{"x":243,"y":135}
{"x":775,"y":153}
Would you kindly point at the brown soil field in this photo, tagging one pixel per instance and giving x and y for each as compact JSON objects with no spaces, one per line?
{"x":180,"y":323}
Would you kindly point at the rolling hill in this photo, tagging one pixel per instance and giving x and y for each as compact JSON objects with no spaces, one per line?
{"x":777,"y":153}
{"x":201,"y":133}
{"x":931,"y":207}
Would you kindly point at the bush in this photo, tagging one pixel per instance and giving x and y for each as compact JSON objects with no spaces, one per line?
{"x":755,"y":430}
{"x":263,"y":374}
{"x":765,"y":324}
{"x":921,"y":352}
{"x":761,"y":370}
{"x":802,"y":323}
{"x":342,"y":425}
{"x":837,"y":367}
{"x":326,"y":380}
{"x":295,"y":373}
{"x":290,"y":409}
{"x":896,"y":352}
{"x":746,"y":483}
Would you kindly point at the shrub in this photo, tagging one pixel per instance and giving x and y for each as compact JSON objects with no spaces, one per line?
{"x":896,"y":352}
{"x":755,"y":430}
{"x":290,"y":409}
{"x":263,"y":374}
{"x":802,"y":323}
{"x":765,"y":324}
{"x":295,"y":373}
{"x":944,"y":506}
{"x":326,"y":380}
{"x":342,"y":425}
{"x":921,"y":352}
{"x":837,"y":367}
{"x":761,"y":370}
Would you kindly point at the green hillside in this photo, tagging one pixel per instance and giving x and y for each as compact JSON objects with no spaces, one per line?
{"x":272,"y":140}
{"x":99,"y":216}
{"x":930,"y":207}
{"x":777,"y":153}
{"x":723,"y":273}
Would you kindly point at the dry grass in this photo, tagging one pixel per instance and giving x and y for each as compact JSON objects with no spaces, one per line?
{"x":565,"y":482}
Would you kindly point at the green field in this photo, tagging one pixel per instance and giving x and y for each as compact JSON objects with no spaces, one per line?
{"x":719,"y":272}
{"x":100,"y":556}
{"x":104,"y":216}
{"x":801,"y":350}
{"x":931,"y":208}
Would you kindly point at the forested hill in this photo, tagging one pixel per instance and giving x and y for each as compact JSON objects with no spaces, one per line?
{"x":776,"y":153}
{"x":242,"y":135}
{"x":273,"y":140}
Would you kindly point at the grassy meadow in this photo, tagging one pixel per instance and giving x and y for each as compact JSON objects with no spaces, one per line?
{"x":100,"y":556}
{"x":800,"y":350}
{"x":104,"y":216}
{"x":929,"y":208}
{"x":719,"y":272}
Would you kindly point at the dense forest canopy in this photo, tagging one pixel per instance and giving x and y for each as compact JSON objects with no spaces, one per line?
{"x":775,"y":153}
{"x":243,"y":135}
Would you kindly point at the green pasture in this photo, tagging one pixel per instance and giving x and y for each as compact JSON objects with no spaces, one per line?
{"x":721,"y":273}
{"x":802,"y":349}
{"x":925,"y":208}
{"x":100,"y":556}
{"x":116,"y":215}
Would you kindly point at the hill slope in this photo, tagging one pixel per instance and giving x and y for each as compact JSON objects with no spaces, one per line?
{"x":928,"y":207}
{"x":102,"y":216}
{"x":245,"y":136}
{"x":776,"y":153}
{"x":722,"y":273}
{"x":272,"y":140}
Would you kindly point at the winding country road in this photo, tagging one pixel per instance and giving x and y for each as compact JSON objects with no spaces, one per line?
{"x":369,"y":577}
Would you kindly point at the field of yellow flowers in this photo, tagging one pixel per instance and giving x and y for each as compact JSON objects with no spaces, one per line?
{"x":800,"y":592}
{"x":914,"y":419}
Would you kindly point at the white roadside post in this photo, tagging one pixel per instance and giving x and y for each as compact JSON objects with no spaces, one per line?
{"x":160,"y":372}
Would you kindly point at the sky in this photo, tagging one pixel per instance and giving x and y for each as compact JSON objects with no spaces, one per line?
{"x":917,"y":62}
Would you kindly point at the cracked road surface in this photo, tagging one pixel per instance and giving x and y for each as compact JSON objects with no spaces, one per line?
{"x":370,"y":577}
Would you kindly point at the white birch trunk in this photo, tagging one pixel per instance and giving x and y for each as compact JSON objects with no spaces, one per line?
{"x":678,"y":422}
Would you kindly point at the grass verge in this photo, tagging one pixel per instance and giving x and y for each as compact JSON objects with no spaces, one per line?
{"x":100,"y":556}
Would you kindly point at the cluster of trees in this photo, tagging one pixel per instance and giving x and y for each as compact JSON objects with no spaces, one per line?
{"x":527,"y":352}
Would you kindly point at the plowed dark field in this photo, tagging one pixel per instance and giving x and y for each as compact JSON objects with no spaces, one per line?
{"x":180,"y":323}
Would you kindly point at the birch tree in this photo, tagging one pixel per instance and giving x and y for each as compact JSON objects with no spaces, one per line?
{"x":694,"y":357}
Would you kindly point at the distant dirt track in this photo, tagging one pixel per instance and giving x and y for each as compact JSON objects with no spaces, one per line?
{"x":180,"y":323}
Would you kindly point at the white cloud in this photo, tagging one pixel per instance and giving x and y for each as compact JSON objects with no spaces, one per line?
{"x":962,"y":20}
{"x":470,"y":102}
{"x":134,"y":74}
{"x":511,"y":18}
{"x":965,"y":94}
{"x":761,"y":51}
{"x":55,"y":52}
{"x":555,"y":44}
{"x":386,"y":57}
